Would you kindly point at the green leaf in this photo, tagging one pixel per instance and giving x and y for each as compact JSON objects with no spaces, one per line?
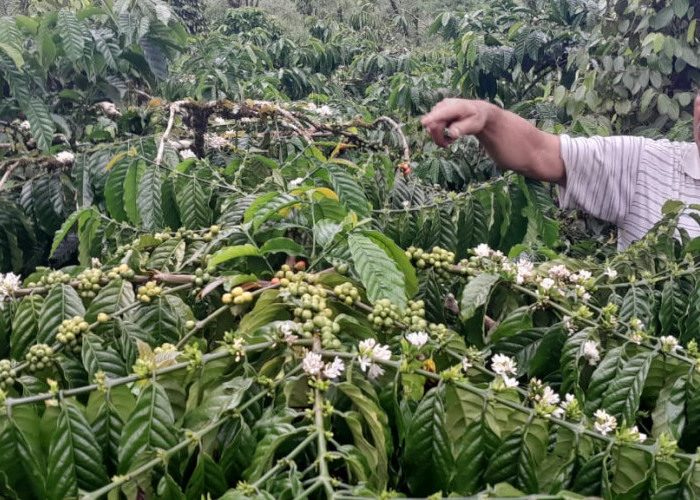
{"x":99,"y":357}
{"x":62,"y":302}
{"x":149,"y":426}
{"x":590,"y":477}
{"x":131,"y":190}
{"x":25,"y":325}
{"x":168,"y":256}
{"x":155,"y":56}
{"x":603,"y":375}
{"x":513,"y":463}
{"x":348,"y":189}
{"x":149,"y":199}
{"x":79,"y":216}
{"x":377,"y":271}
{"x":115,"y":295}
{"x":631,"y":471}
{"x":238,"y":448}
{"x":399,"y":257}
{"x":570,"y":357}
{"x":281,"y":244}
{"x":158,"y":319}
{"x":228,"y":253}
{"x":114,"y":189}
{"x":476,"y":294}
{"x":668,"y":415}
{"x":14,"y":54}
{"x":427,"y":459}
{"x":75,"y":458}
{"x":621,"y":399}
{"x":376,"y":421}
{"x":20,"y":460}
{"x":40,"y":121}
{"x":207,"y":479}
{"x":193,"y":202}
{"x":71,"y":34}
{"x":474,"y":449}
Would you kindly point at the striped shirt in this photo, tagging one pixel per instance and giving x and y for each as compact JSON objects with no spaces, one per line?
{"x":626,"y":180}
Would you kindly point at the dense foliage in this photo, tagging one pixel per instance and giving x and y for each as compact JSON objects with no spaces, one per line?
{"x":246,"y":274}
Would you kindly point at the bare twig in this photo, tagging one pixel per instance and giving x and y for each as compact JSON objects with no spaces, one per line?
{"x":397,"y":127}
{"x":174,"y":107}
{"x":7,"y":173}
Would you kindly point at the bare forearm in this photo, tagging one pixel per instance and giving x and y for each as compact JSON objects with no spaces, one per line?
{"x":515,"y":144}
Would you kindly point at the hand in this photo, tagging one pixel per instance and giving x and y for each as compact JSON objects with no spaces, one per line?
{"x":460,"y":117}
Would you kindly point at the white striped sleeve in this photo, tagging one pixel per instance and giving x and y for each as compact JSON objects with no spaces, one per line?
{"x":601,"y":174}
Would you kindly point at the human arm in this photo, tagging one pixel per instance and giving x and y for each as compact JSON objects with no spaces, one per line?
{"x":510,"y":140}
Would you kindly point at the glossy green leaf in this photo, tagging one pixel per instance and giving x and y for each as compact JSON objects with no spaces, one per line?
{"x":61,"y":303}
{"x":476,"y":294}
{"x":622,"y":395}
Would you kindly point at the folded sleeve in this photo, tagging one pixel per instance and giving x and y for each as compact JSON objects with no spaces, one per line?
{"x":601,"y":174}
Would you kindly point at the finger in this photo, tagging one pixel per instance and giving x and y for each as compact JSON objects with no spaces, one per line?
{"x":467,"y":126}
{"x":445,"y":111}
{"x":437,"y":133}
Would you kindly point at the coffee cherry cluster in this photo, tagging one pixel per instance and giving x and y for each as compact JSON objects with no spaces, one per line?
{"x":121,"y":271}
{"x":70,"y":330}
{"x":437,"y":330}
{"x":311,"y":311}
{"x":200,"y":277}
{"x":237,"y":296}
{"x":213,"y":231}
{"x":439,"y":259}
{"x":52,"y":279}
{"x":39,"y":357}
{"x":346,"y":293}
{"x":414,"y":316}
{"x":7,"y":374}
{"x":384,"y":314}
{"x":89,"y":283}
{"x":147,"y":291}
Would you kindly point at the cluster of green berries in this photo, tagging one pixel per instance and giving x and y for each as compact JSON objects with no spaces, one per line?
{"x":213,"y":231}
{"x":346,"y":293}
{"x":70,"y":330}
{"x":39,"y":357}
{"x":414,"y":316}
{"x":52,"y":279}
{"x":147,"y":291}
{"x":384,"y":314}
{"x":7,"y":374}
{"x":200,"y":277}
{"x":437,"y":330}
{"x":311,"y":310}
{"x":237,"y":296}
{"x":439,"y":259}
{"x":89,"y":283}
{"x":121,"y":271}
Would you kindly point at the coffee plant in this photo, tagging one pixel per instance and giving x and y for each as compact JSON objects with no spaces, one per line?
{"x":233,"y":268}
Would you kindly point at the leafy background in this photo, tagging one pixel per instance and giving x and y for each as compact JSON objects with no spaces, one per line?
{"x":163,"y":154}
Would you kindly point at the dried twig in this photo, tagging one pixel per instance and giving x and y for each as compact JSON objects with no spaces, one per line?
{"x":174,"y":107}
{"x":8,"y":172}
{"x":397,"y":127}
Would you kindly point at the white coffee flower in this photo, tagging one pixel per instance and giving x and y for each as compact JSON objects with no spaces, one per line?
{"x":294,"y":183}
{"x":641,"y":437}
{"x":324,"y":111}
{"x":503,"y":365}
{"x":568,"y":399}
{"x":524,"y":271}
{"x":582,"y":275}
{"x":381,"y":353}
{"x":25,"y":126}
{"x":289,"y":331}
{"x":669,"y":343}
{"x":549,"y":397}
{"x":406,"y":203}
{"x":483,"y":251}
{"x":418,"y":339}
{"x":375,"y":371}
{"x":610,"y":273}
{"x":509,"y":382}
{"x":582,"y":293}
{"x":214,"y":141}
{"x":604,"y":423}
{"x":466,"y":364}
{"x":219,"y":121}
{"x":558,"y":412}
{"x":547,"y":284}
{"x":334,"y":369}
{"x":591,"y":352}
{"x":11,"y":282}
{"x":636,"y":337}
{"x":64,"y":157}
{"x":559,"y":272}
{"x":371,"y":351}
{"x":313,"y":363}
{"x":186,"y":154}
